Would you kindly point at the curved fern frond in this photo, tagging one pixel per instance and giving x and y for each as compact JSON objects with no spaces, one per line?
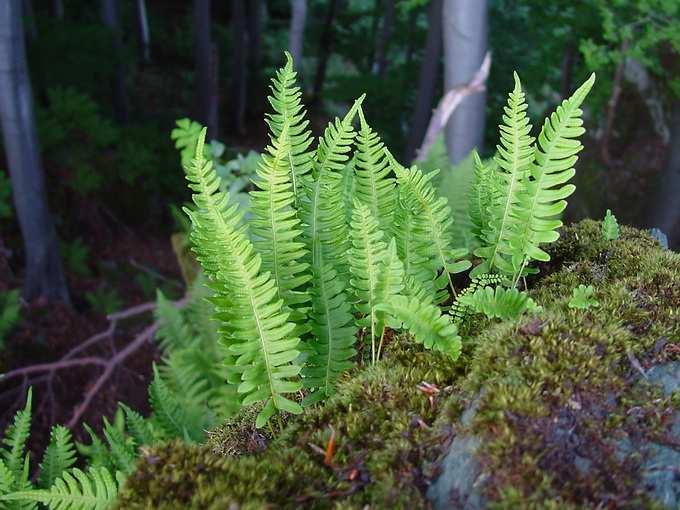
{"x":6,"y":480}
{"x":289,"y":112}
{"x":544,"y":196}
{"x":255,"y":328}
{"x":514,"y":158}
{"x":481,"y":194}
{"x":59,"y":456}
{"x":459,"y":310}
{"x":141,"y":429}
{"x":96,"y":452}
{"x":500,"y":302}
{"x":75,"y":490}
{"x":426,"y":323}
{"x":14,"y":453}
{"x":390,"y":283}
{"x":373,"y":186}
{"x":122,"y":448}
{"x":173,"y":331}
{"x":276,"y":227}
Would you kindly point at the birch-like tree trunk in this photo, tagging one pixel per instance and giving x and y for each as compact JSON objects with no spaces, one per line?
{"x":110,"y":18}
{"x":465,"y":34}
{"x":44,"y":274}
{"x":325,"y":46}
{"x":143,"y":30}
{"x":296,"y":35}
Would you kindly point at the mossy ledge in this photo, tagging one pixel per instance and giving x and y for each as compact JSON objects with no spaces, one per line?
{"x":581,"y":366}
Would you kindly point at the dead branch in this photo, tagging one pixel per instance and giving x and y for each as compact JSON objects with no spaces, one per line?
{"x":449,"y":103}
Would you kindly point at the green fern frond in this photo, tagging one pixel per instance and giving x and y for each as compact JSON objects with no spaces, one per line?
{"x":481,"y":194}
{"x":10,"y":309}
{"x":14,"y":453}
{"x":96,"y":452}
{"x":610,"y":227}
{"x":514,"y":158}
{"x":432,"y":225}
{"x":141,"y":429}
{"x":276,"y":227}
{"x":74,"y":490}
{"x":583,"y":297}
{"x":459,"y":310}
{"x":499,"y":302}
{"x":289,"y":116}
{"x":348,"y":186}
{"x":543,"y":196}
{"x":122,"y":448}
{"x":185,"y":136}
{"x":173,"y":331}
{"x":59,"y":456}
{"x":255,"y":327}
{"x":6,"y":480}
{"x":426,"y":323}
{"x":374,"y":187}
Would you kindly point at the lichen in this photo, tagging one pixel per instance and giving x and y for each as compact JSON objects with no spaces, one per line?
{"x":554,"y":393}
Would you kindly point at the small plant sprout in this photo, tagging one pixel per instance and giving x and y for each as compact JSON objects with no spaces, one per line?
{"x":583,"y":297}
{"x":610,"y":227}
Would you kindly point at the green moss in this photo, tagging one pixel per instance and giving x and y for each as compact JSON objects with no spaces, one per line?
{"x":543,"y":382}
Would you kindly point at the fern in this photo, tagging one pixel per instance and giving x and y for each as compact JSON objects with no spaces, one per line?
{"x":245,"y":298}
{"x":610,"y":229}
{"x":348,"y":186}
{"x":288,"y":122}
{"x":121,"y":447}
{"x":14,"y":454}
{"x":10,"y":307}
{"x":95,"y":489}
{"x":499,"y":302}
{"x":515,"y":155}
{"x":185,"y":135}
{"x":373,"y":186}
{"x":96,"y":452}
{"x":583,"y":297}
{"x":173,"y":332}
{"x":481,"y":194}
{"x":459,"y":311}
{"x":59,"y":456}
{"x":426,"y":323}
{"x":142,"y":431}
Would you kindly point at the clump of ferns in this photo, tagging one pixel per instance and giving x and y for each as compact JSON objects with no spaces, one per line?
{"x":343,"y":242}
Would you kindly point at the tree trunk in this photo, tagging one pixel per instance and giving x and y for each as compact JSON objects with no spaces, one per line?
{"x":325,"y":44}
{"x":109,"y":15}
{"x":254,"y":12}
{"x":29,"y":16}
{"x":667,"y":216}
{"x":205,"y":78}
{"x":380,"y":62}
{"x":427,"y":80}
{"x":296,"y":36}
{"x":57,"y":9}
{"x":568,"y":60}
{"x":465,"y":30}
{"x":143,"y":31}
{"x":239,"y":59}
{"x":44,"y":273}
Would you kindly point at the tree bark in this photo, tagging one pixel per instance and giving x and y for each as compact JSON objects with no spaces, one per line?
{"x":325,"y":47}
{"x":44,"y":274}
{"x":667,"y":214}
{"x":57,"y":9}
{"x":465,"y":30}
{"x":380,"y":63}
{"x":239,"y":71}
{"x":110,"y":18}
{"x":296,"y":36}
{"x":427,"y":80}
{"x":206,"y":107}
{"x":254,"y":11}
{"x":143,"y":31}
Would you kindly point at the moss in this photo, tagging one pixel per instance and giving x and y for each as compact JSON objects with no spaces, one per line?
{"x":556,"y":391}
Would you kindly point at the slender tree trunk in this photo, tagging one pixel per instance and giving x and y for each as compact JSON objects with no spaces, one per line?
{"x":57,"y":9}
{"x":206,"y":109}
{"x":667,"y":214}
{"x":296,"y":36}
{"x":380,"y":63}
{"x":325,"y":47}
{"x":143,"y":30}
{"x":110,"y":18}
{"x":465,"y":28}
{"x":254,"y":14}
{"x":613,"y":104}
{"x":427,"y":80}
{"x":239,"y":70}
{"x":44,"y":273}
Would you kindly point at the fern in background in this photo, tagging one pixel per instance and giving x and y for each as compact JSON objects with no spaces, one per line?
{"x":10,"y":309}
{"x":610,"y":227}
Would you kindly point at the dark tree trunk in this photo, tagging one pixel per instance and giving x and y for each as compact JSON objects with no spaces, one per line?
{"x":465,"y":30}
{"x":110,"y":18}
{"x":427,"y":81}
{"x":44,"y":273}
{"x":296,"y":36}
{"x":254,"y":12}
{"x":380,"y":63}
{"x":667,"y":214}
{"x":568,"y":60}
{"x":325,"y":47}
{"x":206,"y":108}
{"x":143,"y":31}
{"x":57,"y":9}
{"x":239,"y":71}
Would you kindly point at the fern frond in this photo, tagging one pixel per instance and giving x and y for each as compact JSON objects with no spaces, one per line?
{"x":141,"y":429}
{"x":173,"y":331}
{"x":289,"y":116}
{"x":276,"y":227}
{"x":15,"y":439}
{"x":97,"y":452}
{"x":255,"y":327}
{"x":74,"y":490}
{"x":59,"y":456}
{"x":122,"y":448}
{"x":500,"y":302}
{"x":459,"y":310}
{"x":481,"y":194}
{"x":514,"y":158}
{"x":610,"y":227}
{"x":543,"y":196}
{"x":348,"y":186}
{"x":374,"y":187}
{"x":6,"y":480}
{"x":432,"y":225}
{"x":426,"y":323}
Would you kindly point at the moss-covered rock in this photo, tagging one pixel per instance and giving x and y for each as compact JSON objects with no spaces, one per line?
{"x":556,"y":395}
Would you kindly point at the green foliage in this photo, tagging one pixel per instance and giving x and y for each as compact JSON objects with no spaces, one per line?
{"x":59,"y":456}
{"x":10,"y":309}
{"x":76,"y":255}
{"x":459,"y":311}
{"x":583,"y":297}
{"x":5,"y":197}
{"x":499,"y":302}
{"x":14,"y":459}
{"x":610,"y":227}
{"x":185,"y":135}
{"x":104,"y":300}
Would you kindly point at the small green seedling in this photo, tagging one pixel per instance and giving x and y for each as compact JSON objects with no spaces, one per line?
{"x":610,"y":227}
{"x":583,"y":297}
